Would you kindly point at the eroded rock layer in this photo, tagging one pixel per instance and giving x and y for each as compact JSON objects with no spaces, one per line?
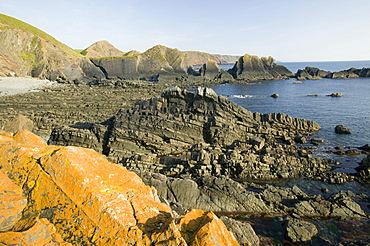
{"x":199,"y":133}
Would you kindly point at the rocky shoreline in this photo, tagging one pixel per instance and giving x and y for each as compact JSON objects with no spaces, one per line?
{"x":315,"y":73}
{"x":181,"y":144}
{"x":202,"y":152}
{"x":179,"y":154}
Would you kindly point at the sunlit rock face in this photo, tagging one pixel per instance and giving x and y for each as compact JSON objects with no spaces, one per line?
{"x":90,"y":200}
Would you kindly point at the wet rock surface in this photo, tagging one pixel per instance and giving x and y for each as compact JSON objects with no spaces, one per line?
{"x":364,"y":169}
{"x":340,"y":129}
{"x":226,"y":195}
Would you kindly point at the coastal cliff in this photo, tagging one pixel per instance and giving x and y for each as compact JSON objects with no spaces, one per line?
{"x":28,"y":51}
{"x":200,"y":58}
{"x":196,"y":58}
{"x":74,"y":196}
{"x":157,"y":61}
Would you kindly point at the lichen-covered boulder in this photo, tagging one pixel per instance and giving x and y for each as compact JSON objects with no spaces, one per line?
{"x":204,"y":228}
{"x":32,"y":232}
{"x":12,"y":203}
{"x":93,"y":201}
{"x":15,"y":230}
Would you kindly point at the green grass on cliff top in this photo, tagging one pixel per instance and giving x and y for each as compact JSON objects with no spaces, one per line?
{"x":15,"y":23}
{"x":127,"y":55}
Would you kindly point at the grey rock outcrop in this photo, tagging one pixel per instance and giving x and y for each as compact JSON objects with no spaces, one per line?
{"x":210,"y":70}
{"x":226,"y":195}
{"x":207,"y":193}
{"x":340,"y":129}
{"x":252,"y":68}
{"x":298,"y":231}
{"x":337,"y":94}
{"x":199,"y":133}
{"x":340,"y":205}
{"x":18,"y":123}
{"x":248,"y":200}
{"x":311,"y":73}
{"x":159,"y":60}
{"x":364,"y":169}
{"x":315,"y":73}
{"x":168,"y":63}
{"x":242,"y":231}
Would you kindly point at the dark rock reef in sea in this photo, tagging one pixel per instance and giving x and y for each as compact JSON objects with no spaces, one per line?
{"x":315,"y":73}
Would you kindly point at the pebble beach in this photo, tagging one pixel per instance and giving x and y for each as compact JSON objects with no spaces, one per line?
{"x":17,"y":85}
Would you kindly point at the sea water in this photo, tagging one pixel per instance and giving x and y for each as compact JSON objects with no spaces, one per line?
{"x":310,"y":100}
{"x":296,"y":99}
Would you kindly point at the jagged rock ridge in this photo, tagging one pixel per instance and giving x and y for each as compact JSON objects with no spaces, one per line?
{"x":199,"y":133}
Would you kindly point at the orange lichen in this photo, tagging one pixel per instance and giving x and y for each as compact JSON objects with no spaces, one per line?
{"x":90,"y":200}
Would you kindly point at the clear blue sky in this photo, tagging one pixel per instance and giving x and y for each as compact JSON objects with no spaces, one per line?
{"x":288,"y":30}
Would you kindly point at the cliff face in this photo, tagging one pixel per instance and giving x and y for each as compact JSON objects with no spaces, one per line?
{"x":88,"y":200}
{"x":200,"y":58}
{"x":27,"y":51}
{"x":161,"y":61}
{"x":157,"y":61}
